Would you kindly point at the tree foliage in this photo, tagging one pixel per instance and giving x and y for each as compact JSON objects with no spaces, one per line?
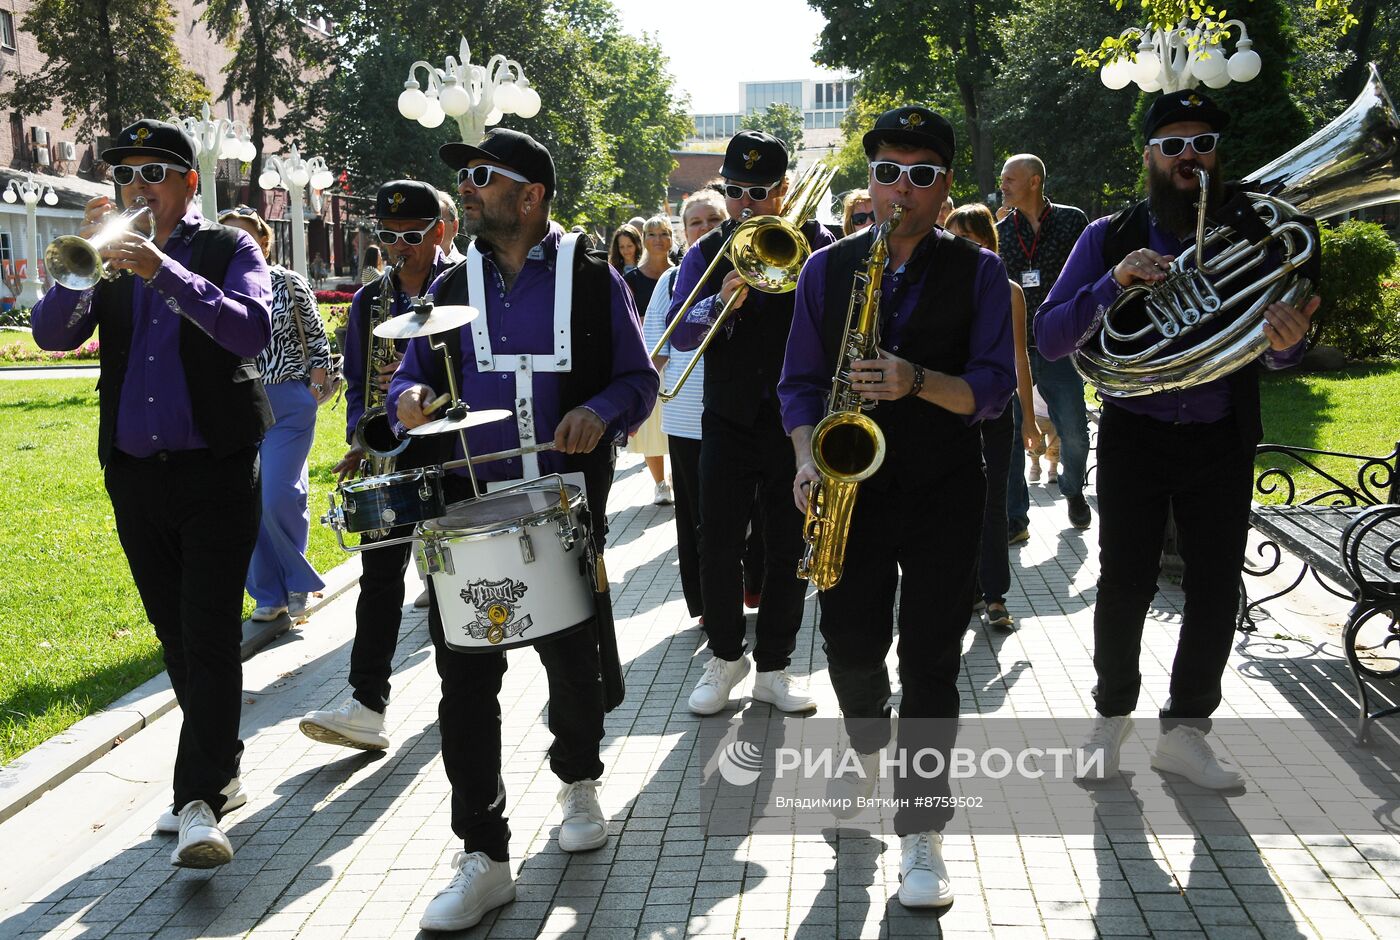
{"x":1354,"y":315}
{"x":109,"y":63}
{"x":781,"y":120}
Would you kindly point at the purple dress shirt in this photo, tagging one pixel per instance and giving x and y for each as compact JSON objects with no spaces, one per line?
{"x":520,"y":321}
{"x":154,"y":413}
{"x":1086,"y":288}
{"x":354,"y":364}
{"x":805,"y":385}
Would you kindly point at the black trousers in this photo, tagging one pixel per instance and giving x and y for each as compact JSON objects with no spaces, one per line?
{"x":734,"y":460}
{"x":188,"y":521}
{"x":469,"y":715}
{"x":994,"y":571}
{"x":1203,"y":472}
{"x":685,"y":478}
{"x":892,"y":534}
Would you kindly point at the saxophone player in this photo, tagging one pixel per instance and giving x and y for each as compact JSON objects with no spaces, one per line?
{"x":943,"y":364}
{"x":409,"y":229}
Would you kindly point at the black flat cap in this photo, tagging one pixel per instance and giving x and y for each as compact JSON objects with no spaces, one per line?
{"x":914,"y":125}
{"x":407,"y":199}
{"x":512,"y":150}
{"x":147,"y":138}
{"x":754,"y":157}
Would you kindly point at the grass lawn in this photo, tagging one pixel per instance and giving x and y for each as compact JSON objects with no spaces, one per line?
{"x":73,"y":635}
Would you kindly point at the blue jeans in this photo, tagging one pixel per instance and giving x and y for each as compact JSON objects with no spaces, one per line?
{"x":1063,"y":391}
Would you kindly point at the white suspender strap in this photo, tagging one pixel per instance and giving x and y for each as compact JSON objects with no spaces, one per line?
{"x":564,"y":302}
{"x":476,"y":296}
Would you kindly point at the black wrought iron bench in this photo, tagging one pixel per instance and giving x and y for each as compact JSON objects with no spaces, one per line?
{"x":1347,"y":533}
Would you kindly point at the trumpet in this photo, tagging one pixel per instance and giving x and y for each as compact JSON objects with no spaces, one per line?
{"x":76,"y":262}
{"x":768,"y":251}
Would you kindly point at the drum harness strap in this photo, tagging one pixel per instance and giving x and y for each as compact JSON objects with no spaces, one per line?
{"x":524,"y":365}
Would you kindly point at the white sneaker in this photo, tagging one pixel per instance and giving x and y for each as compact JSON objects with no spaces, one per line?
{"x":480,"y":885}
{"x":421,"y":601}
{"x":202,"y":843}
{"x":1035,"y":472}
{"x":845,"y":791}
{"x":664,"y":496}
{"x":234,"y":797}
{"x":1106,"y":740}
{"x":783,"y":692}
{"x":351,"y":725}
{"x":296,"y":605}
{"x":923,"y":878}
{"x":712,"y":691}
{"x":584,"y":826}
{"x":1186,"y":751}
{"x":267,"y":614}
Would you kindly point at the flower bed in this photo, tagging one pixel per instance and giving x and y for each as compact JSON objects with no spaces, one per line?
{"x":19,"y":352}
{"x":334,"y":297}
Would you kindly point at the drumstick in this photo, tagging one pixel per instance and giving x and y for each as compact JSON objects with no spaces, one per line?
{"x":500,"y":455}
{"x":436,"y":403}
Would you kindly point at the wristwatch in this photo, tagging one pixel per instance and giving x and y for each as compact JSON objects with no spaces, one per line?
{"x":318,"y":387}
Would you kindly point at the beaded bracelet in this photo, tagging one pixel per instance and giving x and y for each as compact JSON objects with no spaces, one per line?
{"x":918,"y":380}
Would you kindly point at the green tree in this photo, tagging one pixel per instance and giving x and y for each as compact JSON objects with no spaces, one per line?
{"x":273,"y":53}
{"x":109,"y":62}
{"x":781,"y":120}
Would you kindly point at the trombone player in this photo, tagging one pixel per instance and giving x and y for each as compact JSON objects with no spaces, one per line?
{"x":944,"y":364}
{"x":742,"y":444}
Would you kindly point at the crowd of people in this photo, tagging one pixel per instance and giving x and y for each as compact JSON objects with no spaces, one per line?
{"x":213,"y":364}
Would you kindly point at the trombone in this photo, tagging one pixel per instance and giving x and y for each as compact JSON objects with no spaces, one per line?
{"x":768,"y":251}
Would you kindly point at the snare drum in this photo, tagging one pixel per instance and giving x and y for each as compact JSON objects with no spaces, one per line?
{"x":509,"y":569}
{"x":392,"y":499}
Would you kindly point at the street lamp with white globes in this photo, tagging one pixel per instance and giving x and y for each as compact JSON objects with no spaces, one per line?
{"x":1175,"y":59}
{"x":294,"y":175}
{"x":214,"y":140}
{"x":29,"y":192}
{"x":477,"y":96}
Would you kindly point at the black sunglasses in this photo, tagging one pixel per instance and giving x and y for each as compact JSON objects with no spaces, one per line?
{"x":756,"y":193}
{"x":124,"y":174}
{"x":860,"y":218}
{"x":922,"y":175}
{"x":389,"y":236}
{"x":1174,"y":146}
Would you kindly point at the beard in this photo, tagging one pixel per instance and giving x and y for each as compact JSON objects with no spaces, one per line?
{"x":496,"y":222}
{"x":1175,"y":208}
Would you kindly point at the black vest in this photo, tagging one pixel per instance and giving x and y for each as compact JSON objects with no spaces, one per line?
{"x":923,"y":442}
{"x":590,"y":325}
{"x":742,"y":368}
{"x":227,"y":400}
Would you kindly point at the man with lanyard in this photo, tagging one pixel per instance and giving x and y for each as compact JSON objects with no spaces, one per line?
{"x":1036,"y":238}
{"x":944,"y":365}
{"x":742,"y":445}
{"x":181,"y":413}
{"x":1190,"y":452}
{"x":410,"y":228}
{"x":575,"y":373}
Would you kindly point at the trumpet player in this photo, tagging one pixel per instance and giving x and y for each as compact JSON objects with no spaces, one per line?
{"x":944,"y":363}
{"x":410,"y":231}
{"x":182,"y":411}
{"x":1190,"y":451}
{"x":742,"y":445}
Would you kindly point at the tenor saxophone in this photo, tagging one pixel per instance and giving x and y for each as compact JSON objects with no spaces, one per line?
{"x":847,"y":445}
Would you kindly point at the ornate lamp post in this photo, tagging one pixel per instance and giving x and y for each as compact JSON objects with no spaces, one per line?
{"x":294,"y":174}
{"x":1175,"y":59}
{"x":29,"y":192}
{"x":476,"y":96}
{"x":214,"y":140}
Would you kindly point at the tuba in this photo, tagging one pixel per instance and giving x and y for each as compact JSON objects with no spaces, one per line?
{"x":1154,"y":339}
{"x":374,"y":434}
{"x":76,"y":262}
{"x":768,"y":251}
{"x":847,"y":445}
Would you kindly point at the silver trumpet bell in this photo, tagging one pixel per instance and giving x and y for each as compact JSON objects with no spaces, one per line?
{"x":76,"y":262}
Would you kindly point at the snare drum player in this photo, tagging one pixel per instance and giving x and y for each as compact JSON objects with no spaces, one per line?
{"x":408,"y":227}
{"x":1189,"y":451}
{"x":182,"y":411}
{"x":945,"y":364}
{"x":577,"y":374}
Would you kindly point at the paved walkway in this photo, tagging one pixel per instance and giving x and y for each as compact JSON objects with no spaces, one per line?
{"x":343,"y":844}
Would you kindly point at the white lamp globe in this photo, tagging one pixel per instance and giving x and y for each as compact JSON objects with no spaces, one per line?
{"x":300,"y":177}
{"x":50,"y":198}
{"x":432,"y":115}
{"x":1150,"y":87}
{"x":454,"y":99}
{"x":1209,"y":63}
{"x":1245,"y":64}
{"x":1146,"y":67}
{"x":412,"y":102}
{"x":9,"y":195}
{"x":493,"y":117}
{"x":230,"y":148}
{"x":506,"y":97}
{"x":530,"y":101}
{"x":30,"y":196}
{"x":248,"y":152}
{"x":269,"y":179}
{"x":1217,"y":81}
{"x":1116,"y":74}
{"x":322,"y":179}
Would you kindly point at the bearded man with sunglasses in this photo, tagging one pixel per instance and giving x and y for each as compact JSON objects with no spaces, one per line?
{"x":1190,"y":452}
{"x":742,"y":445}
{"x":181,"y":413}
{"x":409,"y":228}
{"x":944,"y":365}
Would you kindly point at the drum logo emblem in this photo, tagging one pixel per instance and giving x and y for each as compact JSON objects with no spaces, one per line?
{"x":494,"y":602}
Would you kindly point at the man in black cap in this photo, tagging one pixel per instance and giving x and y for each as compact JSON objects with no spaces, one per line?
{"x":944,"y":365}
{"x":182,"y":411}
{"x":1190,"y":451}
{"x":410,"y":232}
{"x":574,"y":373}
{"x":742,"y":445}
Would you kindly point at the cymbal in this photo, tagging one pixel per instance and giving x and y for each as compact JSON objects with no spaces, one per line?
{"x":470,"y":420}
{"x":437,"y":320}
